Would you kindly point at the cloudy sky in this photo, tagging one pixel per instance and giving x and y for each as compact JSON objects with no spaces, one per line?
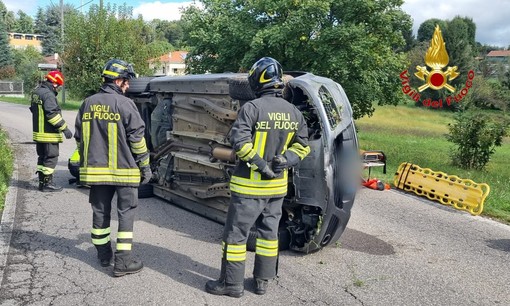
{"x":492,"y":17}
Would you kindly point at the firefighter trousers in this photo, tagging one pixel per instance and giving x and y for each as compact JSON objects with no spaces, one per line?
{"x":100,"y":198}
{"x":242,"y":214}
{"x":47,"y":157}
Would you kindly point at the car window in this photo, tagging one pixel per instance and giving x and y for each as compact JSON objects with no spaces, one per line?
{"x":332,"y":110}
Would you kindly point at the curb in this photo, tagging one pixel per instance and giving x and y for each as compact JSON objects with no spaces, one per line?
{"x":7,"y":221}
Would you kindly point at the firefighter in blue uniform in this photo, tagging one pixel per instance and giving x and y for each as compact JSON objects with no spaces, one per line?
{"x":269,"y":136}
{"x":48,"y":126}
{"x":113,"y":159}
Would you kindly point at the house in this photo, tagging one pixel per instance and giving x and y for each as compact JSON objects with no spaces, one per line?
{"x":52,"y":61}
{"x":21,"y":40}
{"x":171,"y":63}
{"x":498,"y":62}
{"x":498,"y":56}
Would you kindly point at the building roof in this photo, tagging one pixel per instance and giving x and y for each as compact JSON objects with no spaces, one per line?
{"x":498,"y":53}
{"x":174,"y":57}
{"x":52,"y":59}
{"x":31,"y":34}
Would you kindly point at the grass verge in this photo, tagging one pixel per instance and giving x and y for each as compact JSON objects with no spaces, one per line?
{"x":6,"y":167}
{"x":69,"y":105}
{"x":416,"y":135}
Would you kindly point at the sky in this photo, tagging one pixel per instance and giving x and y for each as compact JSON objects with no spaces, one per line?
{"x":492,"y":17}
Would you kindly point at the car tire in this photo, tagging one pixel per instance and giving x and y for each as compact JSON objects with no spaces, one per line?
{"x":139,"y":85}
{"x":145,"y":191}
{"x":239,"y":89}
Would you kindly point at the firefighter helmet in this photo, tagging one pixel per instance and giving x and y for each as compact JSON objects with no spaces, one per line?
{"x":266,"y":73}
{"x":118,"y":69}
{"x":55,"y":77}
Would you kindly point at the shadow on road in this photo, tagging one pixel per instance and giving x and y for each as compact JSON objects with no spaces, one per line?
{"x":499,"y":244}
{"x":180,"y":268}
{"x":358,"y":241}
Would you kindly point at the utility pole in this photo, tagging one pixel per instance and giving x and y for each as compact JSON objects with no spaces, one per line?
{"x":62,"y":48}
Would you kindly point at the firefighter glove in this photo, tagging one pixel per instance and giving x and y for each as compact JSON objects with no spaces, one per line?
{"x":260,"y":165}
{"x":279,"y":164}
{"x":146,"y":175}
{"x":67,"y":133}
{"x":267,"y":172}
{"x":292,"y":158}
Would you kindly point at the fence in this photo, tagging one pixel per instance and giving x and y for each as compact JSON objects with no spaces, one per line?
{"x":11,"y":88}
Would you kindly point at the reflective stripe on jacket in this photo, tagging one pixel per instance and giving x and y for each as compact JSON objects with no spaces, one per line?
{"x":110,"y":136}
{"x":47,"y":121}
{"x":267,"y":126}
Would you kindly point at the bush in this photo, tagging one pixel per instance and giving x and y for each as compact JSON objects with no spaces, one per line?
{"x":7,"y":73}
{"x":476,"y":136}
{"x":6,"y":167}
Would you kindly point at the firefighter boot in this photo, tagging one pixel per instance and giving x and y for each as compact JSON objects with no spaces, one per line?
{"x":46,"y":183}
{"x":220,"y":287}
{"x":260,"y":286}
{"x":126,"y":264}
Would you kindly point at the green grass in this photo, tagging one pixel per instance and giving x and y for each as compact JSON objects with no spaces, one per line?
{"x":69,"y":105}
{"x":417,"y":135}
{"x":6,"y":167}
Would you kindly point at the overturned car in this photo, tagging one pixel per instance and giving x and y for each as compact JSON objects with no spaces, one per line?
{"x":188,"y":119}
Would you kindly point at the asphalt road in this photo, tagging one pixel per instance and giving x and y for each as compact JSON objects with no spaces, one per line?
{"x":397,"y":250}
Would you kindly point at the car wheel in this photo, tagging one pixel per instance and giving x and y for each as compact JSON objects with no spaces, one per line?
{"x":239,"y":89}
{"x":139,"y":85}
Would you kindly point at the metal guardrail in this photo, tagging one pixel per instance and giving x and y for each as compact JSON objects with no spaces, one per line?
{"x":11,"y":87}
{"x":462,"y":194}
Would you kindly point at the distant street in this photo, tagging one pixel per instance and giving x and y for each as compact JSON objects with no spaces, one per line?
{"x":397,"y":250}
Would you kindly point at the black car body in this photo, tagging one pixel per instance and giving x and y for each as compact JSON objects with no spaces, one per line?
{"x":188,"y":119}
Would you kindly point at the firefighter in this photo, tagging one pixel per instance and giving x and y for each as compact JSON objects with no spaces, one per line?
{"x":113,"y":159}
{"x":48,"y":126}
{"x":269,"y":136}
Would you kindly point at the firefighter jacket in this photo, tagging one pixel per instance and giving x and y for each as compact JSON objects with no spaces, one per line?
{"x":267,"y":126}
{"x":110,"y":137}
{"x":47,"y":120}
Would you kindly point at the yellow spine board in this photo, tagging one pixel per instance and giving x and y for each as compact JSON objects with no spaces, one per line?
{"x":462,"y":194}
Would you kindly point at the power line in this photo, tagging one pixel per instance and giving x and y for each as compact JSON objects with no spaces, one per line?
{"x":79,"y":7}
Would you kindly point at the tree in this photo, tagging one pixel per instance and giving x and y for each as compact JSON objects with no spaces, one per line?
{"x":6,"y":68}
{"x":24,"y":23}
{"x":409,"y":39}
{"x":170,"y":31}
{"x":354,"y":43}
{"x":40,"y":21}
{"x":160,"y":47}
{"x":471,"y":33}
{"x":7,"y":17}
{"x":458,"y":44}
{"x":25,"y":61}
{"x":98,"y":36}
{"x":48,"y":24}
{"x":427,"y":28}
